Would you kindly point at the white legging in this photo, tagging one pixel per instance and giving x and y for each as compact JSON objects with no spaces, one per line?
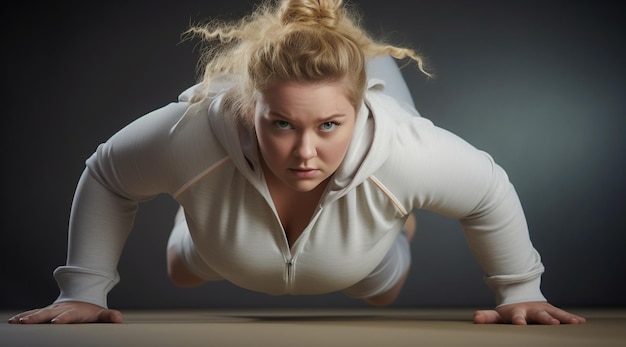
{"x":386,"y":69}
{"x":390,"y":270}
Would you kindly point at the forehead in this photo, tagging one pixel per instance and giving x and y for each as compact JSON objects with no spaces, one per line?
{"x":296,"y":88}
{"x":283,"y":95}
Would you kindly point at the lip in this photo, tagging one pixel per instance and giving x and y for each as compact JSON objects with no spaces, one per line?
{"x":304,"y":172}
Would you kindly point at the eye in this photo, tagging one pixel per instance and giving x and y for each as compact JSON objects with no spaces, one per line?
{"x":281,"y":124}
{"x":328,"y":126}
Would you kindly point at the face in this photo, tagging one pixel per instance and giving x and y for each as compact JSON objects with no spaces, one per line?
{"x":304,"y":131}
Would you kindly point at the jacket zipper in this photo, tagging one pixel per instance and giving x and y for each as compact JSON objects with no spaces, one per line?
{"x":290,"y":256}
{"x":289,"y":274}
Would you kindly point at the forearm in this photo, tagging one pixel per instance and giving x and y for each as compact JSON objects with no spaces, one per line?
{"x":498,"y":236}
{"x":100,"y":222}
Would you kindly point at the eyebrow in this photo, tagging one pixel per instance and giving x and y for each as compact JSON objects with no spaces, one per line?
{"x":321,"y":120}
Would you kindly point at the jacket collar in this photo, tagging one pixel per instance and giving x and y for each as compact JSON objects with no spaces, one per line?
{"x":368,"y":150}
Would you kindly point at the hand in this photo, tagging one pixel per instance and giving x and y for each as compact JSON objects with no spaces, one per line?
{"x":525,"y":313}
{"x":68,"y":312}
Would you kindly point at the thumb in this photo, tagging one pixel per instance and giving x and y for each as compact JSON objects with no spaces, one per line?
{"x":487,"y":317}
{"x":109,"y":316}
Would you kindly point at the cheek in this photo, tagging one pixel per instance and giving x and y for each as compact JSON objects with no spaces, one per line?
{"x":336,"y":150}
{"x":272,"y":147}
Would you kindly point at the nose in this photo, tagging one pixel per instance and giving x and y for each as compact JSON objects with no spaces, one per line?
{"x":305,"y":147}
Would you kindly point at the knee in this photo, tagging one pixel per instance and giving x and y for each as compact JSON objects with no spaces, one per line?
{"x":384,"y":299}
{"x":389,"y":297}
{"x":178,"y":273}
{"x":381,"y":300}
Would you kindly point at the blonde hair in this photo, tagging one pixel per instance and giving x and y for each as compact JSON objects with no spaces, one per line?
{"x":311,"y":41}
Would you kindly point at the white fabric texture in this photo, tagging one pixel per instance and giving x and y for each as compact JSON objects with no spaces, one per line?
{"x":396,"y":163}
{"x":387,"y":274}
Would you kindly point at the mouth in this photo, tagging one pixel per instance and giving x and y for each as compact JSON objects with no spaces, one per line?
{"x":304,"y":172}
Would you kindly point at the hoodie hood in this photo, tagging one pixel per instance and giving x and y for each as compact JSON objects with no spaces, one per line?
{"x":368,"y":150}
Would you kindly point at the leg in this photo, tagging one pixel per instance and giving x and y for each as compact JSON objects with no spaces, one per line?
{"x":383,"y":285}
{"x":387,"y":298}
{"x":391,"y":295}
{"x":386,"y":69}
{"x":178,"y":272}
{"x":184,"y":266}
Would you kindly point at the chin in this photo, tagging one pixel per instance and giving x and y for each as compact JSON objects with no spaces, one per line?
{"x":303,"y":187}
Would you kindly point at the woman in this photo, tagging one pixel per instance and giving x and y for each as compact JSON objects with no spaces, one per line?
{"x":296,"y":170}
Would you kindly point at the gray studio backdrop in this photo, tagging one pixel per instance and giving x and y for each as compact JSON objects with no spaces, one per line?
{"x":538,"y":84}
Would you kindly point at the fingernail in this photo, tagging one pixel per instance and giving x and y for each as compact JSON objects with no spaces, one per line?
{"x":53,"y":321}
{"x":23,"y":319}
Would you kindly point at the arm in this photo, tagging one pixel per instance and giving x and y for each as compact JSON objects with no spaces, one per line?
{"x":134,"y":165}
{"x":473,"y":188}
{"x":449,"y":176}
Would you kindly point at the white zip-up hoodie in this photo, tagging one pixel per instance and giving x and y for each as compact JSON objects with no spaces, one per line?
{"x":396,"y":162}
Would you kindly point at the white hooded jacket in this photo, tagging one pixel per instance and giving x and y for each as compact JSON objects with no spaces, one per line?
{"x":196,"y":153}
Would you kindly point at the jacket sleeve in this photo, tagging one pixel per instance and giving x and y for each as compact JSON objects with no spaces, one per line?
{"x":124,"y":171}
{"x":443,"y":173}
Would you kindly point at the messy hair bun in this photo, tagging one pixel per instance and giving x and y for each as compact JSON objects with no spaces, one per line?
{"x":325,"y":13}
{"x":306,"y":41}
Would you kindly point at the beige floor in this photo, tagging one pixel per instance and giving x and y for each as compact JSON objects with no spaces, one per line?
{"x":319,"y":328}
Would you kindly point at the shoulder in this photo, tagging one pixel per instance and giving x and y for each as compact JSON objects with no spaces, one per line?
{"x":397,"y":121}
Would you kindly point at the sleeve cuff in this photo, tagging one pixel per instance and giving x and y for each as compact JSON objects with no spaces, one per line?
{"x":513,"y":289}
{"x":85,"y":285}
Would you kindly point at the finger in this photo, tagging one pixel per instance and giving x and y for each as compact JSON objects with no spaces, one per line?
{"x":65,"y":317}
{"x":487,"y":317}
{"x":518,"y":317}
{"x":574,"y":319}
{"x":72,"y":315}
{"x":36,"y":316}
{"x":543,"y":317}
{"x":100,"y":316}
{"x":15,"y":319}
{"x":109,"y":316}
{"x":566,"y":317}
